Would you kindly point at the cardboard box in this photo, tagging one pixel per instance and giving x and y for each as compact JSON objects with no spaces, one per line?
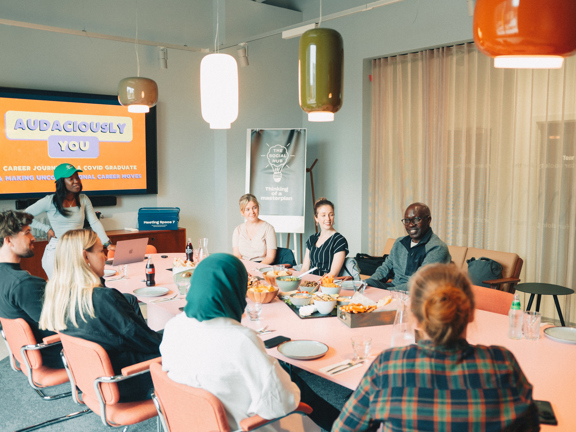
{"x":369,"y":319}
{"x":158,"y":218}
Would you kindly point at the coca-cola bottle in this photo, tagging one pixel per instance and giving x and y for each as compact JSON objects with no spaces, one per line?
{"x":150,"y":273}
{"x":189,"y":251}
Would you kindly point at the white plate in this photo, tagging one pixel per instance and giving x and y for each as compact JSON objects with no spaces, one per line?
{"x":108,"y":273}
{"x":155,"y":291}
{"x":303,"y":349}
{"x":561,"y":334}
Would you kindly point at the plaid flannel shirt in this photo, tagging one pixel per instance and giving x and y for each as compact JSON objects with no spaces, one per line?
{"x":427,"y":388}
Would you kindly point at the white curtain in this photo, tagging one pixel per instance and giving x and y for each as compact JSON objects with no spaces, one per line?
{"x":491,"y":151}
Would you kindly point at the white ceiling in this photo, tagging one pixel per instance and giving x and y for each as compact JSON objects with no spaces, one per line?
{"x":179,"y":22}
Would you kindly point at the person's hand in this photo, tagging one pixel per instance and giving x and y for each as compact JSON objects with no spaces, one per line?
{"x":111,"y":247}
{"x":50,"y":234}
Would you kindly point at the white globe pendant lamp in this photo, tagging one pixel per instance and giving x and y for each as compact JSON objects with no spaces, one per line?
{"x":219,"y":90}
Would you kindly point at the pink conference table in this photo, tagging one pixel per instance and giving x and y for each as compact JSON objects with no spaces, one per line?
{"x":548,"y":365}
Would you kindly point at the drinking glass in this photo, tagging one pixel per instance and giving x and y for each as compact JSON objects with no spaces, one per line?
{"x":531,"y":325}
{"x":359,"y":286}
{"x":253,"y":309}
{"x":202,"y":249}
{"x":361,"y":345}
{"x":183,"y":286}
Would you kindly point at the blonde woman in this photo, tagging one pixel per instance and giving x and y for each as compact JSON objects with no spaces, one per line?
{"x":443,"y":383}
{"x":77,"y":305}
{"x":255,"y":239}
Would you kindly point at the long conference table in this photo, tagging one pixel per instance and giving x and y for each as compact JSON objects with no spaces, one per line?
{"x":550,"y":366}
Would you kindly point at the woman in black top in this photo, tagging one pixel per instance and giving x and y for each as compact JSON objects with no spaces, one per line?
{"x":327,"y":249}
{"x":77,"y":305}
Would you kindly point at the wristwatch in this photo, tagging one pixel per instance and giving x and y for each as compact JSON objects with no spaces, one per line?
{"x":106,"y":244}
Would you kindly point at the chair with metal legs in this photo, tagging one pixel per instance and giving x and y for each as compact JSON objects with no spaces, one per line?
{"x":90,"y":370}
{"x":24,"y":353}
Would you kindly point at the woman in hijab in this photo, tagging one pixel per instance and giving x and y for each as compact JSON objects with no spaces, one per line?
{"x":207,"y":347}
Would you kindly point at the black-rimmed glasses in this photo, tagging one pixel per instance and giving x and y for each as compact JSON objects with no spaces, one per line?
{"x":415,"y":220}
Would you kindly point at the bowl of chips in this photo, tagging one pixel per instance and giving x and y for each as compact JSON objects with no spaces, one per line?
{"x":329,"y":286}
{"x":262,"y":293}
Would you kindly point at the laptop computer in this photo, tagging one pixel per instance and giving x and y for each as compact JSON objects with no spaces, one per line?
{"x":129,"y":251}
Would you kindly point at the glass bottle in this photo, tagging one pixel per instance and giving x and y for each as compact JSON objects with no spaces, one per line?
{"x":515,"y":319}
{"x":403,"y":330}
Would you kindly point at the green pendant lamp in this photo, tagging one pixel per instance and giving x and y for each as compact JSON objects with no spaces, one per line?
{"x":321,"y":73}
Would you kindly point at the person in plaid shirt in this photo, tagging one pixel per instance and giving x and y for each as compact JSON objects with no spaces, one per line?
{"x":443,"y":383}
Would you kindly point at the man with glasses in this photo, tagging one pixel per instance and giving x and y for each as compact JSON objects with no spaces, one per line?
{"x":420,"y":247}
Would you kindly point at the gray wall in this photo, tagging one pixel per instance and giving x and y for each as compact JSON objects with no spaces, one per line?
{"x":202,"y":171}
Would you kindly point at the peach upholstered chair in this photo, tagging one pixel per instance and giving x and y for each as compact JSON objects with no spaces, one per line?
{"x":182,"y":408}
{"x":25,"y":356}
{"x":492,"y":300}
{"x":89,"y":369}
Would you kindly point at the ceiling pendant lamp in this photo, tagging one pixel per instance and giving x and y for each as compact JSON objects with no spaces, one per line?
{"x":138,"y":94}
{"x":526,"y":33}
{"x":219,"y":90}
{"x":321,"y":73}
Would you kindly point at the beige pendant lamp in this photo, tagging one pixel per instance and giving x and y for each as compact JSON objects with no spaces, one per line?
{"x":526,"y":33}
{"x":137,"y":93}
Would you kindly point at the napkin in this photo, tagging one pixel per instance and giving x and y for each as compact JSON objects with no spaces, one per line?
{"x":362,"y":299}
{"x":307,"y":310}
{"x":342,"y":363}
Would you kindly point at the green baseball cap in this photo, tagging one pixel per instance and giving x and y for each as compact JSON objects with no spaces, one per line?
{"x":65,"y":170}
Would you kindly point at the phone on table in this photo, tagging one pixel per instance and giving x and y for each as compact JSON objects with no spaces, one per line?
{"x":546,"y":413}
{"x":275,"y":341}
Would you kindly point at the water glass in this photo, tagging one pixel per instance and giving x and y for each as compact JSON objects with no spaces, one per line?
{"x":253,"y":309}
{"x":183,"y":286}
{"x":361,"y":346}
{"x":359,"y":286}
{"x":531,"y":325}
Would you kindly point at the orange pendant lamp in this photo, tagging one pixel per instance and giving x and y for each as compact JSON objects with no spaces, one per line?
{"x":536,"y":34}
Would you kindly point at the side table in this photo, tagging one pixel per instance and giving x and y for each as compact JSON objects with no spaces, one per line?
{"x":541,"y":289}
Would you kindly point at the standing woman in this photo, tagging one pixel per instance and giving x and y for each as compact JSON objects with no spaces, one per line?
{"x":327,"y":249}
{"x":255,"y":239}
{"x":77,"y":305}
{"x":66,"y":210}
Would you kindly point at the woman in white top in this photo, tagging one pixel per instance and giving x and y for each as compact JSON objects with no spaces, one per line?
{"x":255,"y":239}
{"x":207,"y":347}
{"x":66,"y":210}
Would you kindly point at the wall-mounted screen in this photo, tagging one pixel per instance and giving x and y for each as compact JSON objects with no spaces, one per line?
{"x":115,"y":149}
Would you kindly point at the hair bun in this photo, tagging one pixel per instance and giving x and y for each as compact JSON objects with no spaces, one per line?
{"x":446,"y":313}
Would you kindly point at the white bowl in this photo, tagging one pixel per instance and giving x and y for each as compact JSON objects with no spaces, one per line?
{"x":300,"y":299}
{"x":330,"y":290}
{"x":324,"y":307}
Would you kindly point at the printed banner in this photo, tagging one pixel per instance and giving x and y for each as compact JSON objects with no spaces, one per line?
{"x":276,"y":175}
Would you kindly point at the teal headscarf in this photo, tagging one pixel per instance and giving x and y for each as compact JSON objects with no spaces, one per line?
{"x":218,"y":289}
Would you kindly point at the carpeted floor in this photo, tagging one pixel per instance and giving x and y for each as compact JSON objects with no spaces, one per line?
{"x":20,"y":406}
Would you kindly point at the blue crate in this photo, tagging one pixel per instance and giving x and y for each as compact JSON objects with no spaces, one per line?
{"x":158,"y":218}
